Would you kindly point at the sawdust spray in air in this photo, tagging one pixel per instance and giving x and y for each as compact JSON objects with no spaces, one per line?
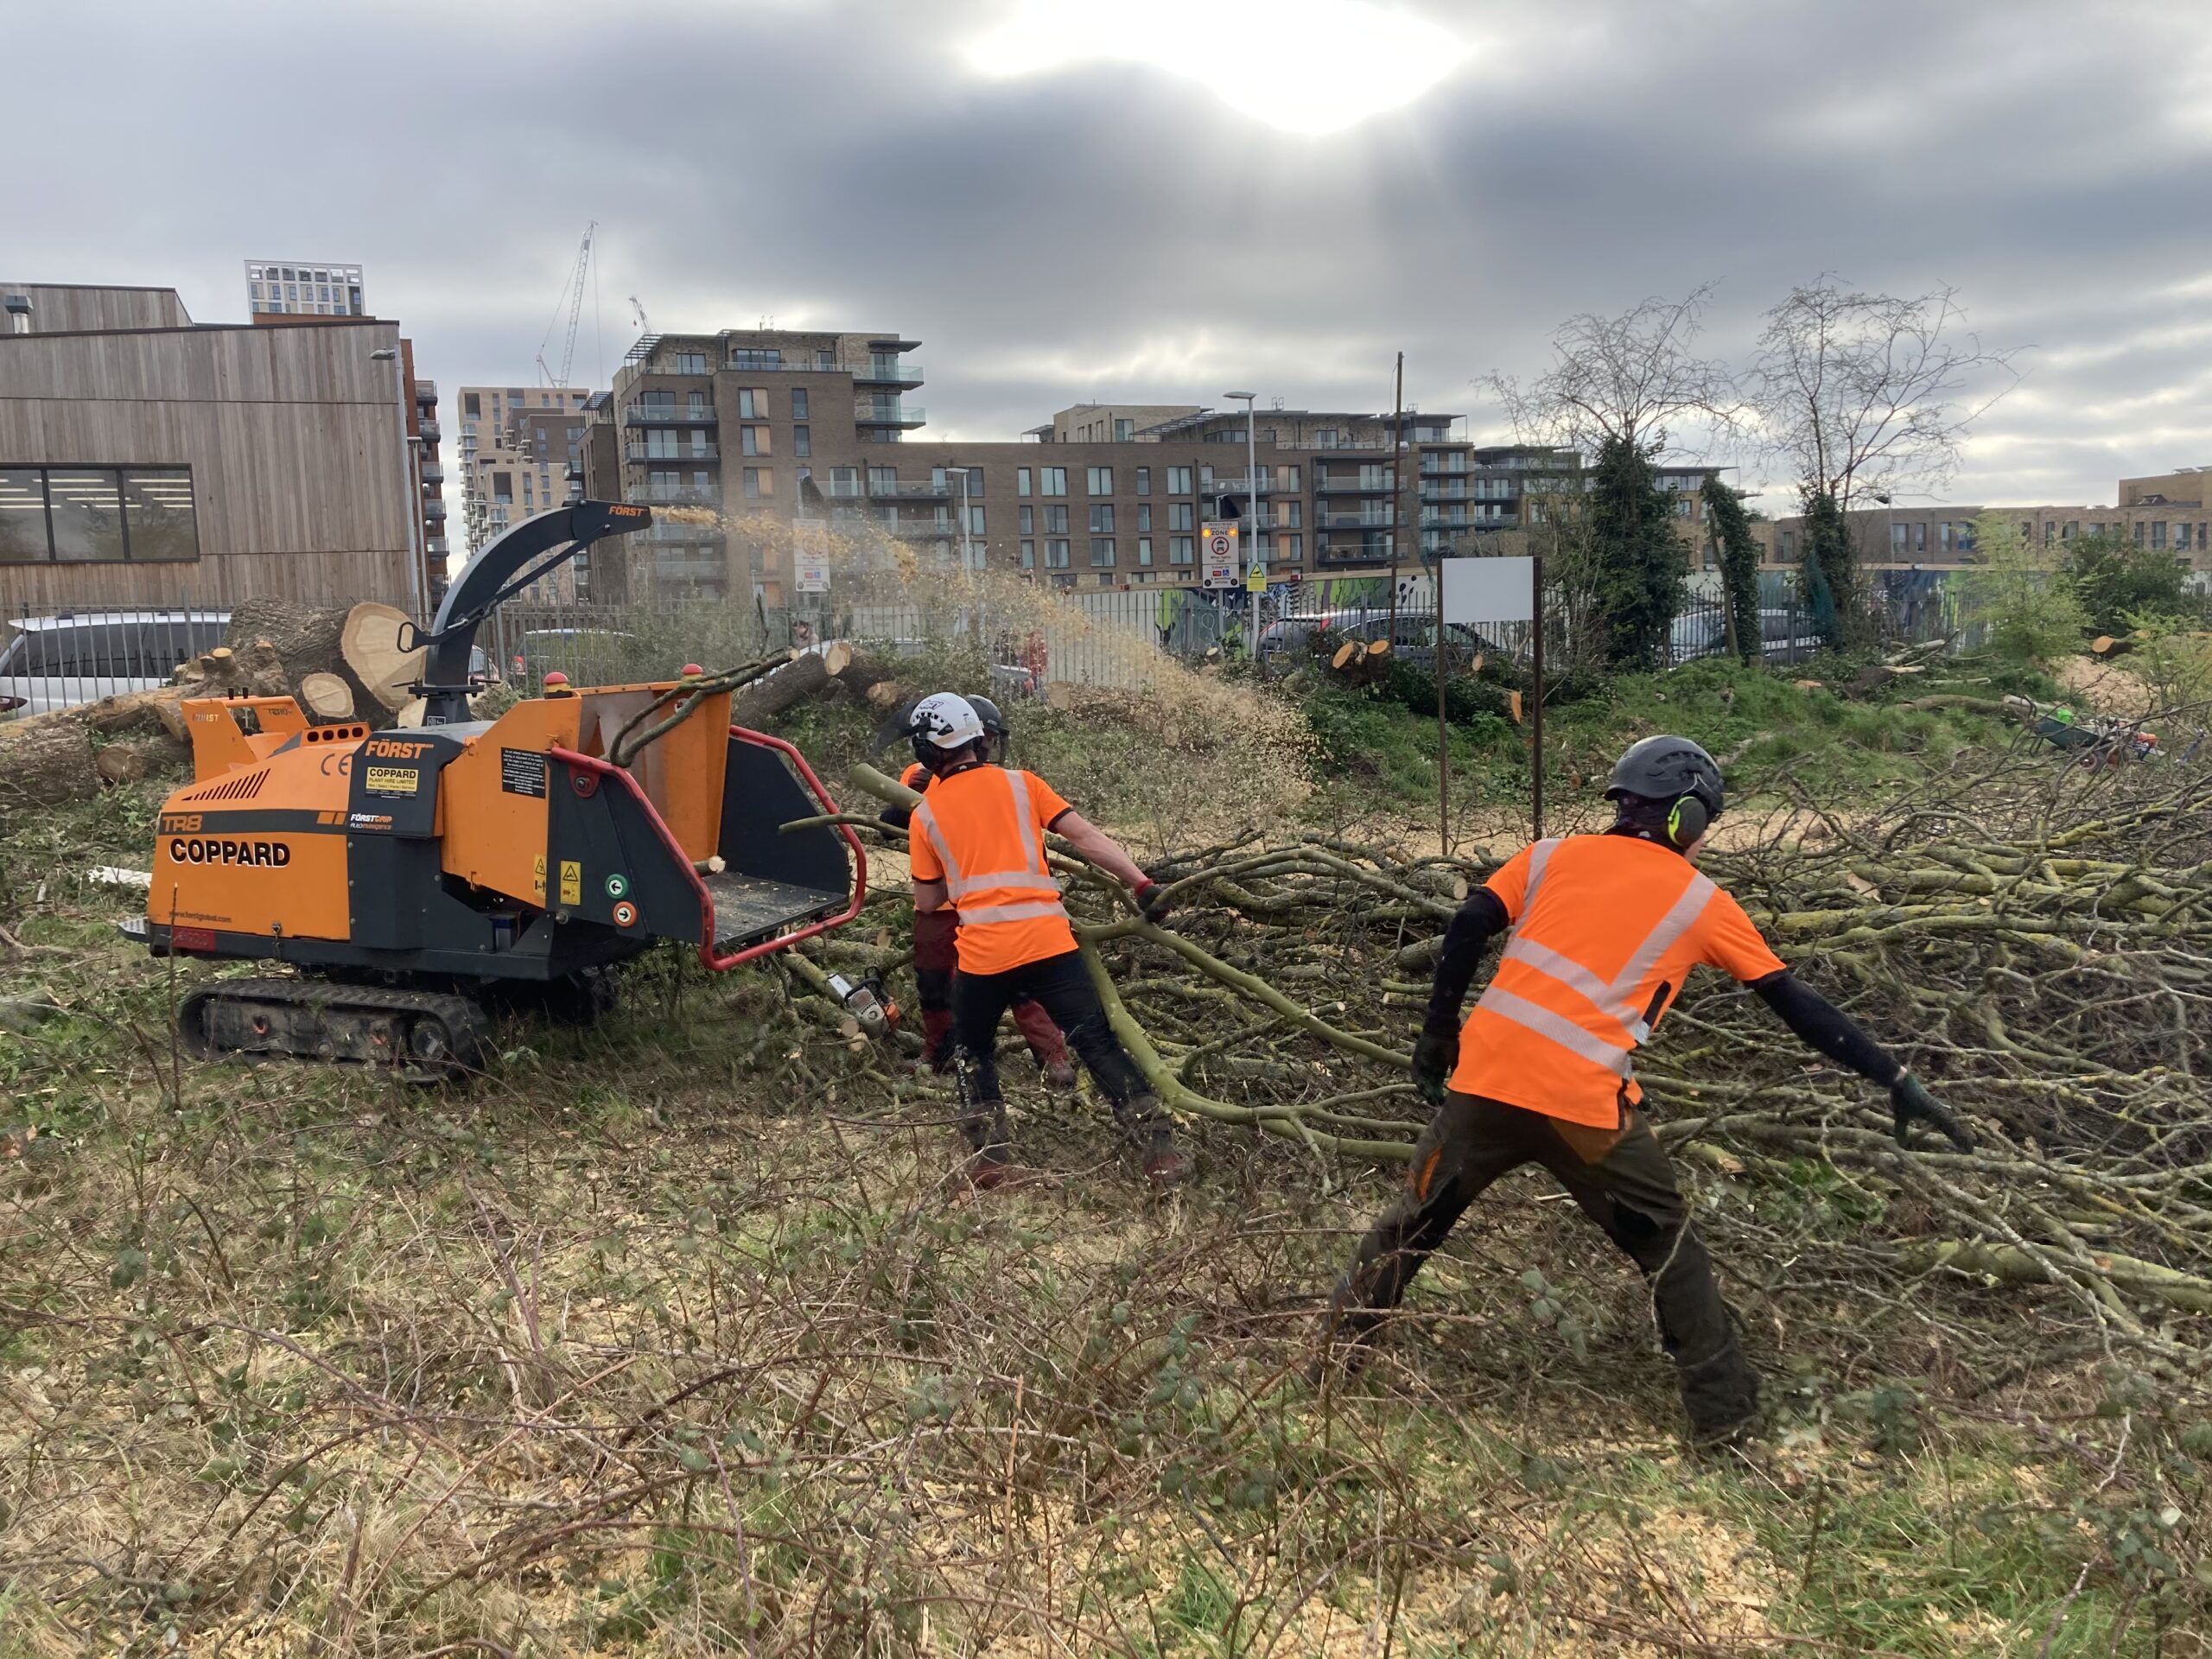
{"x":1214,"y":756}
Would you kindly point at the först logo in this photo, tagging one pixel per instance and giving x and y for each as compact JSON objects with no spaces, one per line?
{"x":264,"y":854}
{"x":386,"y":749}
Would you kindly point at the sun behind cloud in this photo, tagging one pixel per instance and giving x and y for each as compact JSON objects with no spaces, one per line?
{"x":1305,"y":67}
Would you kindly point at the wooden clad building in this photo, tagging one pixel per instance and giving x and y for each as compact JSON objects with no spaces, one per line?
{"x":148,"y":463}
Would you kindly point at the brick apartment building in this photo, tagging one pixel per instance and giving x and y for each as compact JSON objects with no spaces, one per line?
{"x":794,"y":425}
{"x":2168,"y":513}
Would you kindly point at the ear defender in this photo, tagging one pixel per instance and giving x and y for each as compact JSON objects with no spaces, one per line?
{"x":1687,"y":822}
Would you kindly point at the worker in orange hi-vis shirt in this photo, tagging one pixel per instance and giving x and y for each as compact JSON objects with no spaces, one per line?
{"x":935,"y":957}
{"x":1603,"y":931}
{"x":977,"y":845}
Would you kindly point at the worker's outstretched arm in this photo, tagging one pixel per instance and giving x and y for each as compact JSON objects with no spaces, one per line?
{"x":1821,"y":1025}
{"x":1106,"y":853}
{"x":930,"y":896}
{"x":1481,"y":919}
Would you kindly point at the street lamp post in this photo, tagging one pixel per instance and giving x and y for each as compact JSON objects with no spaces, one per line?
{"x":417,"y":598}
{"x":1252,"y":489}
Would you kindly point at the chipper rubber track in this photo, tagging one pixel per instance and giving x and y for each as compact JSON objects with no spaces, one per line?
{"x":426,"y":1036}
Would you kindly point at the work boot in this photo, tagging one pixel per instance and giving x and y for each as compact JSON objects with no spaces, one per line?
{"x":1720,"y":1392}
{"x":1348,"y":1333}
{"x":1165,"y":1164}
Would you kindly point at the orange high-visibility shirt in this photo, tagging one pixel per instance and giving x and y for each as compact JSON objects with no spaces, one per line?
{"x":982,"y":832}
{"x":1606,"y":928}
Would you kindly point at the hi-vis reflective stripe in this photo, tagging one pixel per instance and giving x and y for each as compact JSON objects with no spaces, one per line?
{"x":1615,"y":999}
{"x":1560,"y":1029}
{"x":1035,"y":878}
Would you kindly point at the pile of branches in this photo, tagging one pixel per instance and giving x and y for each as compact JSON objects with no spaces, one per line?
{"x":2027,"y":937}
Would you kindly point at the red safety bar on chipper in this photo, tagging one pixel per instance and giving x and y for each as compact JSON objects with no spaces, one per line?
{"x":708,"y":954}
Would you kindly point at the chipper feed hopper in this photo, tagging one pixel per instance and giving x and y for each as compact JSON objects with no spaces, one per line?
{"x":405,"y":877}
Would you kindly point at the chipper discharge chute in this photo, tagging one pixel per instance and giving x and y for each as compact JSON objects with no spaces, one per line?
{"x":406,"y":877}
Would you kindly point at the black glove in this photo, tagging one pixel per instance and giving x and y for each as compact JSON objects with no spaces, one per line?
{"x":1434,"y":1056}
{"x":897,"y":816}
{"x":1911,"y":1102}
{"x":1153,"y":901}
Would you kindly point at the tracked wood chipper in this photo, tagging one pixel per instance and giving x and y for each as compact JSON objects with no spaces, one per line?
{"x":408,"y":877}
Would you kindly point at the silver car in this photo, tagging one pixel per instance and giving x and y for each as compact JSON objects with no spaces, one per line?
{"x":59,"y":661}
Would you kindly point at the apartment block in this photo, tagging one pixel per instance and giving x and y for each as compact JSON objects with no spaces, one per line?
{"x":303,"y":287}
{"x":2166,"y":514}
{"x":515,"y":449}
{"x":789,"y":426}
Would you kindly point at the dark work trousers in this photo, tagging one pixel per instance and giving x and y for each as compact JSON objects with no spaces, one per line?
{"x":936,"y":957}
{"x":1622,"y":1181}
{"x":1062,"y":986}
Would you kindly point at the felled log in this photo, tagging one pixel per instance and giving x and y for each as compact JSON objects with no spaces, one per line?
{"x":46,"y":761}
{"x":276,"y":643}
{"x":804,"y":676}
{"x":325,"y":695}
{"x":131,"y":711}
{"x":369,"y":643}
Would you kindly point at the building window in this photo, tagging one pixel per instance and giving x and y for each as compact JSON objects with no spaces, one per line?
{"x":1055,"y":521}
{"x":1101,"y":518}
{"x":756,"y":357}
{"x":1101,"y":551}
{"x":106,"y":515}
{"x":690,"y":362}
{"x":1182,"y":515}
{"x":752,"y":404}
{"x":1144,"y":551}
{"x":1179,"y":480}
{"x":2138,"y":532}
{"x":1054,"y":482}
{"x":1943,"y":535}
{"x":759,"y":481}
{"x":1099,"y":479}
{"x":1144,"y":480}
{"x":1291,"y":547}
{"x":1021,"y":481}
{"x":1029,"y":556}
{"x":1144,"y":515}
{"x":976,"y":482}
{"x":975,"y":521}
{"x":2073,"y":528}
{"x":752,"y":440}
{"x":1788,"y":541}
{"x":1029,"y":517}
{"x":1290,"y":513}
{"x":2158,"y":533}
{"x":799,"y":404}
{"x":1182,"y":549}
{"x":883,"y":480}
{"x":472,"y":404}
{"x":1124,"y":431}
{"x":801,"y":440}
{"x":1055,"y":555}
{"x":1897,"y":538}
{"x":1920,"y":537}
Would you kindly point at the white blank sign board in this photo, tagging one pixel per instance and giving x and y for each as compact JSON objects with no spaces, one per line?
{"x":1490,"y":590}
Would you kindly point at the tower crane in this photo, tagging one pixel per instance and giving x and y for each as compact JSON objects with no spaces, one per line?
{"x":573,"y":292}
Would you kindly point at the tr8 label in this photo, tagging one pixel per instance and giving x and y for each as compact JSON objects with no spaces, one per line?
{"x":264,"y":854}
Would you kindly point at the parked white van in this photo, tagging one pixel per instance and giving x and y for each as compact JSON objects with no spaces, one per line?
{"x":59,"y":661}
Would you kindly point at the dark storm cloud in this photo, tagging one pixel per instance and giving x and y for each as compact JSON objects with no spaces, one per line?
{"x":1107,"y":230}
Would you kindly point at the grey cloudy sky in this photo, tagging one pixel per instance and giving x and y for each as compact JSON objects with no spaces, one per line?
{"x":1128,"y":200}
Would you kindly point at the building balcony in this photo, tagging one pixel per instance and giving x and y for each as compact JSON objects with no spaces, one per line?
{"x":433,"y":472}
{"x":426,"y":392}
{"x":643,"y":452}
{"x":436,"y":547}
{"x":1238,"y":486}
{"x":923,"y":530}
{"x":686,"y":535}
{"x":1365,"y":519}
{"x":428,"y":430}
{"x":900,"y":415}
{"x":900,"y":372}
{"x":1364,"y":484}
{"x":433,"y":509}
{"x":708,"y":497}
{"x":667,"y":415}
{"x":1443,"y":521}
{"x":903,"y":491}
{"x":1443,"y":489}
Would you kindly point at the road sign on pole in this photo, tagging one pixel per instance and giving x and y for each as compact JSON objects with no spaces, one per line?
{"x":1255,"y":578}
{"x":1220,"y":541}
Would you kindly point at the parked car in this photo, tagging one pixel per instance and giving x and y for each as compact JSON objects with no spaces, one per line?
{"x":1785,"y":635}
{"x":58,"y":662}
{"x":1291,"y":633}
{"x":587,"y":655}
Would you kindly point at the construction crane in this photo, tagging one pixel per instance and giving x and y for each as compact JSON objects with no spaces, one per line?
{"x":645,"y":323}
{"x":573,"y":293}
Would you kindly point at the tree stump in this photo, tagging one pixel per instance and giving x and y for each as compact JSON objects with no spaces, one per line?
{"x":47,"y":761}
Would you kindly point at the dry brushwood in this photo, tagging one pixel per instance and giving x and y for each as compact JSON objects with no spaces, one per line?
{"x":2028,"y":937}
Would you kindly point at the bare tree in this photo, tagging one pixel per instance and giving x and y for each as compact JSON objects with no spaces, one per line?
{"x":1625,"y":378}
{"x":1870,"y":393}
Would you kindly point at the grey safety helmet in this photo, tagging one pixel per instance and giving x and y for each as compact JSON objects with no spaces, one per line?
{"x":1668,"y":778}
{"x":994,"y":721}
